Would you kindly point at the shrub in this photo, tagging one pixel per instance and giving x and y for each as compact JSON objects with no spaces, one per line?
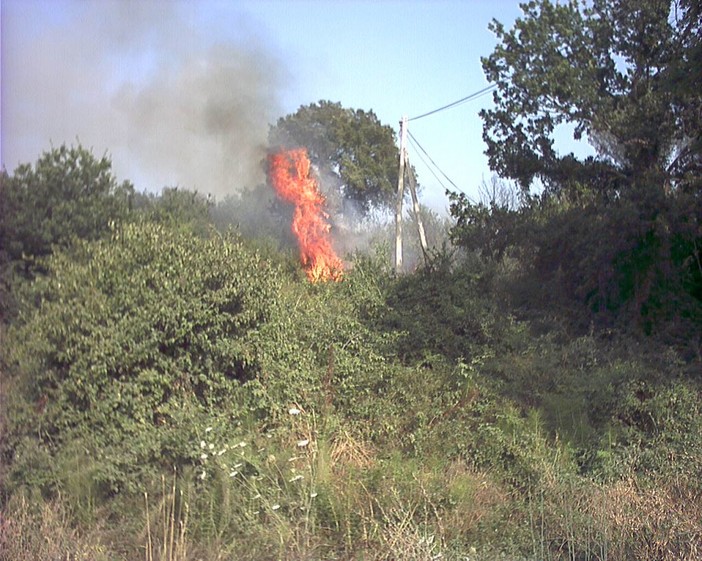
{"x":126,"y":345}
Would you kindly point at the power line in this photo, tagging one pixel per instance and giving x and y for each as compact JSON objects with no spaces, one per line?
{"x":415,"y":142}
{"x":429,"y":167}
{"x":470,"y":97}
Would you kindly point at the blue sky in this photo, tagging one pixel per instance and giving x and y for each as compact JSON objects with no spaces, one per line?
{"x":139,"y":79}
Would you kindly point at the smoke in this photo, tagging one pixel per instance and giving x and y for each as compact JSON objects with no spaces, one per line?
{"x":140,"y":81}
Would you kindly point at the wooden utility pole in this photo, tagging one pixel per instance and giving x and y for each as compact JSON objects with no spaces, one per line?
{"x":404,"y":164}
{"x":418,"y":216}
{"x":400,"y":195}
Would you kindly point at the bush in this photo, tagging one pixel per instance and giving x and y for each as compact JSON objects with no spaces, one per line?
{"x":67,"y":194}
{"x":126,"y":344}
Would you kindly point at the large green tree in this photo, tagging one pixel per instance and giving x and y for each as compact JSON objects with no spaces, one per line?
{"x":351,"y":148}
{"x":619,"y":230}
{"x":625,"y":73}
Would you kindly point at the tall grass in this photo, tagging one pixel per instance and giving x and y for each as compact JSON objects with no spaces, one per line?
{"x":31,"y":530}
{"x":166,"y":534}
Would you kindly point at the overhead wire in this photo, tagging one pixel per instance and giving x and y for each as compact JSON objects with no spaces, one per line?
{"x":416,"y":143}
{"x":431,"y":170}
{"x":456,"y":103}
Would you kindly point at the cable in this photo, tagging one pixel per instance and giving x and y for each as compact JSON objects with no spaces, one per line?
{"x":415,"y":142}
{"x":470,"y":97}
{"x":430,"y":169}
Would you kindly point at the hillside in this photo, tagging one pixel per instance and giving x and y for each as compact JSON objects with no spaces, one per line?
{"x":175,"y":391}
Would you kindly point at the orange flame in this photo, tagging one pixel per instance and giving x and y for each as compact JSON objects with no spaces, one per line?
{"x":289,"y":171}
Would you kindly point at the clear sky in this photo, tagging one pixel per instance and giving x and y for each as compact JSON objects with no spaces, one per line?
{"x":182,"y":93}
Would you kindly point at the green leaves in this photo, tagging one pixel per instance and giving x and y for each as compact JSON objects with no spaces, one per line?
{"x":67,"y":194}
{"x":349,"y":146}
{"x":602,"y":68}
{"x":608,"y":230}
{"x":137,"y":325}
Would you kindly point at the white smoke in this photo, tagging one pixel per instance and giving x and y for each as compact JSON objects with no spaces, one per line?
{"x":140,"y":81}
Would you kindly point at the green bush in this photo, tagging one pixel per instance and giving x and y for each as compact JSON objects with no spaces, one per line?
{"x":127,"y":344}
{"x":67,"y":194}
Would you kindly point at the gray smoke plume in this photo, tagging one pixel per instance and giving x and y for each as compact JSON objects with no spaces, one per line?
{"x":138,"y":80}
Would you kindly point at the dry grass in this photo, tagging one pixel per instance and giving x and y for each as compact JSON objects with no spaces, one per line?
{"x":166,"y":534}
{"x":661,"y":522}
{"x":347,"y":451}
{"x":30,"y":531}
{"x":377,"y":512}
{"x":475,"y":498}
{"x":575,"y":518}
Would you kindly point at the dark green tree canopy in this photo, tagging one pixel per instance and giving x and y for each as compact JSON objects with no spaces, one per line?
{"x":624,"y":72}
{"x":350,"y":147}
{"x":618,"y":231}
{"x":67,"y":194}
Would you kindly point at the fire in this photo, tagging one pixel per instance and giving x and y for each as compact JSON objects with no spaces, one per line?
{"x":289,"y":171}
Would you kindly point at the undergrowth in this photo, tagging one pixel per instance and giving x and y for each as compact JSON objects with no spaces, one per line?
{"x":243,"y":413}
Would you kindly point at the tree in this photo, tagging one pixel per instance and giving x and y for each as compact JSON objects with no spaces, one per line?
{"x":619,"y":230}
{"x":350,"y":148}
{"x":67,"y":194}
{"x":176,"y":207}
{"x":616,"y":71}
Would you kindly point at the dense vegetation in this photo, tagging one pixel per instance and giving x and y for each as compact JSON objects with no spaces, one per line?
{"x":173,"y":387}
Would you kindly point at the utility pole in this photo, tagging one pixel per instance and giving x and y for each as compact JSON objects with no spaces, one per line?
{"x":418,"y":216}
{"x":400,"y":194}
{"x":404,"y":164}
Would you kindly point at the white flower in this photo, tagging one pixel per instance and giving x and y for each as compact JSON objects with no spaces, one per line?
{"x":241,"y":444}
{"x":313,"y":494}
{"x":233,"y":473}
{"x":222,"y":451}
{"x":208,"y":429}
{"x":302,"y":443}
{"x":294,"y":411}
{"x":296,"y":478}
{"x":202,"y":444}
{"x":203,"y":456}
{"x":203,"y":475}
{"x":275,"y":507}
{"x":210,"y":446}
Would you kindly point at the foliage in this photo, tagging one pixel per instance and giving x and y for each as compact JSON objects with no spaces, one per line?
{"x":381,"y":416}
{"x":606,"y":70}
{"x":626,"y":262}
{"x":124,"y":341}
{"x":618,"y":232}
{"x":67,"y":194}
{"x":440,"y":311}
{"x":350,"y":149}
{"x":176,"y":208}
{"x":531,"y":392}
